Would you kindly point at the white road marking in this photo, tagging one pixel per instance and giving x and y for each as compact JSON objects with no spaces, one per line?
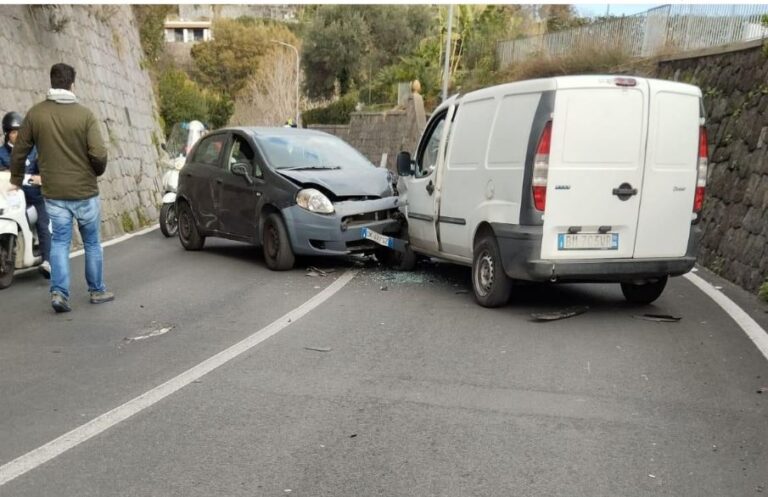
{"x":753,"y":330}
{"x":113,"y":241}
{"x":54,"y":448}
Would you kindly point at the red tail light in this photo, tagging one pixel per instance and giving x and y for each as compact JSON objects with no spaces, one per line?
{"x":701,"y":175}
{"x":541,"y":168}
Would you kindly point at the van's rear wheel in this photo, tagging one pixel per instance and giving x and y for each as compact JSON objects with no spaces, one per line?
{"x":489,"y":282}
{"x":643,"y":293}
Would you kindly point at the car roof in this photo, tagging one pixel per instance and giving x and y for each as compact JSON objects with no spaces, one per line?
{"x":257,"y":131}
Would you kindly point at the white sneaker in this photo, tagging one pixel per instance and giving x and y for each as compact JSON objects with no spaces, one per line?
{"x":45,"y":269}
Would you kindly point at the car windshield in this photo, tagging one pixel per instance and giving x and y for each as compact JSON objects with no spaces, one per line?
{"x":310,"y":152}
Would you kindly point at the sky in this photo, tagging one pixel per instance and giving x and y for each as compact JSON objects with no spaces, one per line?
{"x":616,"y":9}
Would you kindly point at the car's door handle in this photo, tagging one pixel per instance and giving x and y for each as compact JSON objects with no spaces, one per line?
{"x":219,"y":181}
{"x":430,"y":187}
{"x":624,"y":191}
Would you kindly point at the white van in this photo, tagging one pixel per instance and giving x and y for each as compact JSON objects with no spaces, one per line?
{"x":576,"y":178}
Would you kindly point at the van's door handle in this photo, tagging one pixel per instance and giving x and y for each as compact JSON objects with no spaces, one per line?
{"x":430,"y":187}
{"x":624,"y":191}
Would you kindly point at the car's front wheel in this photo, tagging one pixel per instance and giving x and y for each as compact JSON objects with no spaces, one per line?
{"x":643,"y":293}
{"x":278,"y":253}
{"x":490,"y":283}
{"x":189,"y":236}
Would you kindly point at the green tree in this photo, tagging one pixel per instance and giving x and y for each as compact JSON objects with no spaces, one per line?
{"x":226,"y":63}
{"x":181,"y":99}
{"x":220,"y":108}
{"x":336,"y":41}
{"x":346,"y":44}
{"x":561,"y":17}
{"x":151,"y":22}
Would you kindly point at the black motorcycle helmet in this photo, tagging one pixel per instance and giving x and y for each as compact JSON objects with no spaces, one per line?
{"x":11,"y":121}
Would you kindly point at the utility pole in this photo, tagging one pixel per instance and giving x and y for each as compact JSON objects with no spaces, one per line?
{"x":447,"y":65}
{"x":298,"y":115}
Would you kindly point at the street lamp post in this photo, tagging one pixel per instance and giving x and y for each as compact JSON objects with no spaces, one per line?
{"x":298,"y":116}
{"x":447,"y":62}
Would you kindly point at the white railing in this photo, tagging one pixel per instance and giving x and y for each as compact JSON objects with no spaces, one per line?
{"x":669,"y":29}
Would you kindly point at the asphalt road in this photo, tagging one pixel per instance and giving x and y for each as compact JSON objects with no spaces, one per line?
{"x":412,"y":389}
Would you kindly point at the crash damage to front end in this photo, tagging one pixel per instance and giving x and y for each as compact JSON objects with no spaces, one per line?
{"x":342,"y":232}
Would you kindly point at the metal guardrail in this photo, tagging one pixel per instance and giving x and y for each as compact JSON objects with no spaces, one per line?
{"x":666,"y":29}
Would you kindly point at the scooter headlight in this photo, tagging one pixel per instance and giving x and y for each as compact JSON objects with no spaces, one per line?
{"x":314,"y":201}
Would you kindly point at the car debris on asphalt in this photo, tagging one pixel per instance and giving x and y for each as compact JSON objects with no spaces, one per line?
{"x":659,"y":318}
{"x":314,"y":272}
{"x":561,"y":314}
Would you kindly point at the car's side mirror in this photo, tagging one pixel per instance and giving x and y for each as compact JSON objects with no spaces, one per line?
{"x":404,"y":163}
{"x":242,"y":169}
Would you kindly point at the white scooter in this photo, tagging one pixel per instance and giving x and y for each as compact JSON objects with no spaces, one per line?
{"x":19,"y":247}
{"x":169,"y":223}
{"x":183,"y":137}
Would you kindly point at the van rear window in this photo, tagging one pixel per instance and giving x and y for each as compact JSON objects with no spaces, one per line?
{"x":601,"y":127}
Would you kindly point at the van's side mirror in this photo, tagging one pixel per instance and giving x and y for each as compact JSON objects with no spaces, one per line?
{"x":404,"y":163}
{"x":242,"y":169}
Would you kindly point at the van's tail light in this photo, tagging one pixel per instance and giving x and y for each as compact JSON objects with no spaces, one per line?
{"x":541,"y":168}
{"x":701,"y":175}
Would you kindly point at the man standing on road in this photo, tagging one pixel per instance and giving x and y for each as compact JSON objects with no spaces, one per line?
{"x":71,"y":154}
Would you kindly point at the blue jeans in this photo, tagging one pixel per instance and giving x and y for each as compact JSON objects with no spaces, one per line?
{"x":88,"y":215}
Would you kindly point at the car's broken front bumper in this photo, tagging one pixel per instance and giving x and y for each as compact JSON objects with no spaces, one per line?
{"x":340,"y":233}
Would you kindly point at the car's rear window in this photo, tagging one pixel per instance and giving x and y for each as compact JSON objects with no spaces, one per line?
{"x":310,"y":151}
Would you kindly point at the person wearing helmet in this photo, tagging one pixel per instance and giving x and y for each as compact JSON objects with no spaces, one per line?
{"x":290,"y":123}
{"x":11,"y":124}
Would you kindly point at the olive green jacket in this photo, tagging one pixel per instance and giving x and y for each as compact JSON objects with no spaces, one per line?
{"x":70,"y":147}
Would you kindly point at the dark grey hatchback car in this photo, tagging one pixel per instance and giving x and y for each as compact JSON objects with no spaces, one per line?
{"x":292,"y":191}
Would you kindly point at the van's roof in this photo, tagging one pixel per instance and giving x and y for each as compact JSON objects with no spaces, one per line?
{"x":562,"y":82}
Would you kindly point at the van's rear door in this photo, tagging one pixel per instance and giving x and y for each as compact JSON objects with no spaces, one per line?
{"x":669,"y":182}
{"x":595,"y":171}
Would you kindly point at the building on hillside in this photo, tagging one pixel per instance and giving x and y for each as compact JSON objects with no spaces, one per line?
{"x":187,"y":31}
{"x":192,"y":24}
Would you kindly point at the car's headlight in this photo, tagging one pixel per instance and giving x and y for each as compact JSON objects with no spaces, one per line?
{"x":314,"y":201}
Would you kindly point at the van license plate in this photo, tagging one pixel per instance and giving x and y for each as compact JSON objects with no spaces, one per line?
{"x":588,"y":241}
{"x":376,"y":237}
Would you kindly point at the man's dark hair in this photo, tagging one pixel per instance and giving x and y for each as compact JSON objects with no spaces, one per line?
{"x":62,"y":76}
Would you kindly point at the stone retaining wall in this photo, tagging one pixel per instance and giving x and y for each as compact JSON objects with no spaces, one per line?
{"x":102,"y":43}
{"x":735,"y":217}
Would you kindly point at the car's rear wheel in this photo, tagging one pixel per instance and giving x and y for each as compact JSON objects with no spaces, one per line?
{"x":643,"y":293}
{"x":490,"y":283}
{"x":278,"y":253}
{"x":169,"y":222}
{"x":189,"y":236}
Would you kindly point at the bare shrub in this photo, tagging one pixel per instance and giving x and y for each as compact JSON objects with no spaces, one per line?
{"x":585,"y":58}
{"x":269,"y":97}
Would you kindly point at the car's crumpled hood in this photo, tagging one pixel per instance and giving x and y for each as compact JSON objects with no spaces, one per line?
{"x":369,"y":182}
